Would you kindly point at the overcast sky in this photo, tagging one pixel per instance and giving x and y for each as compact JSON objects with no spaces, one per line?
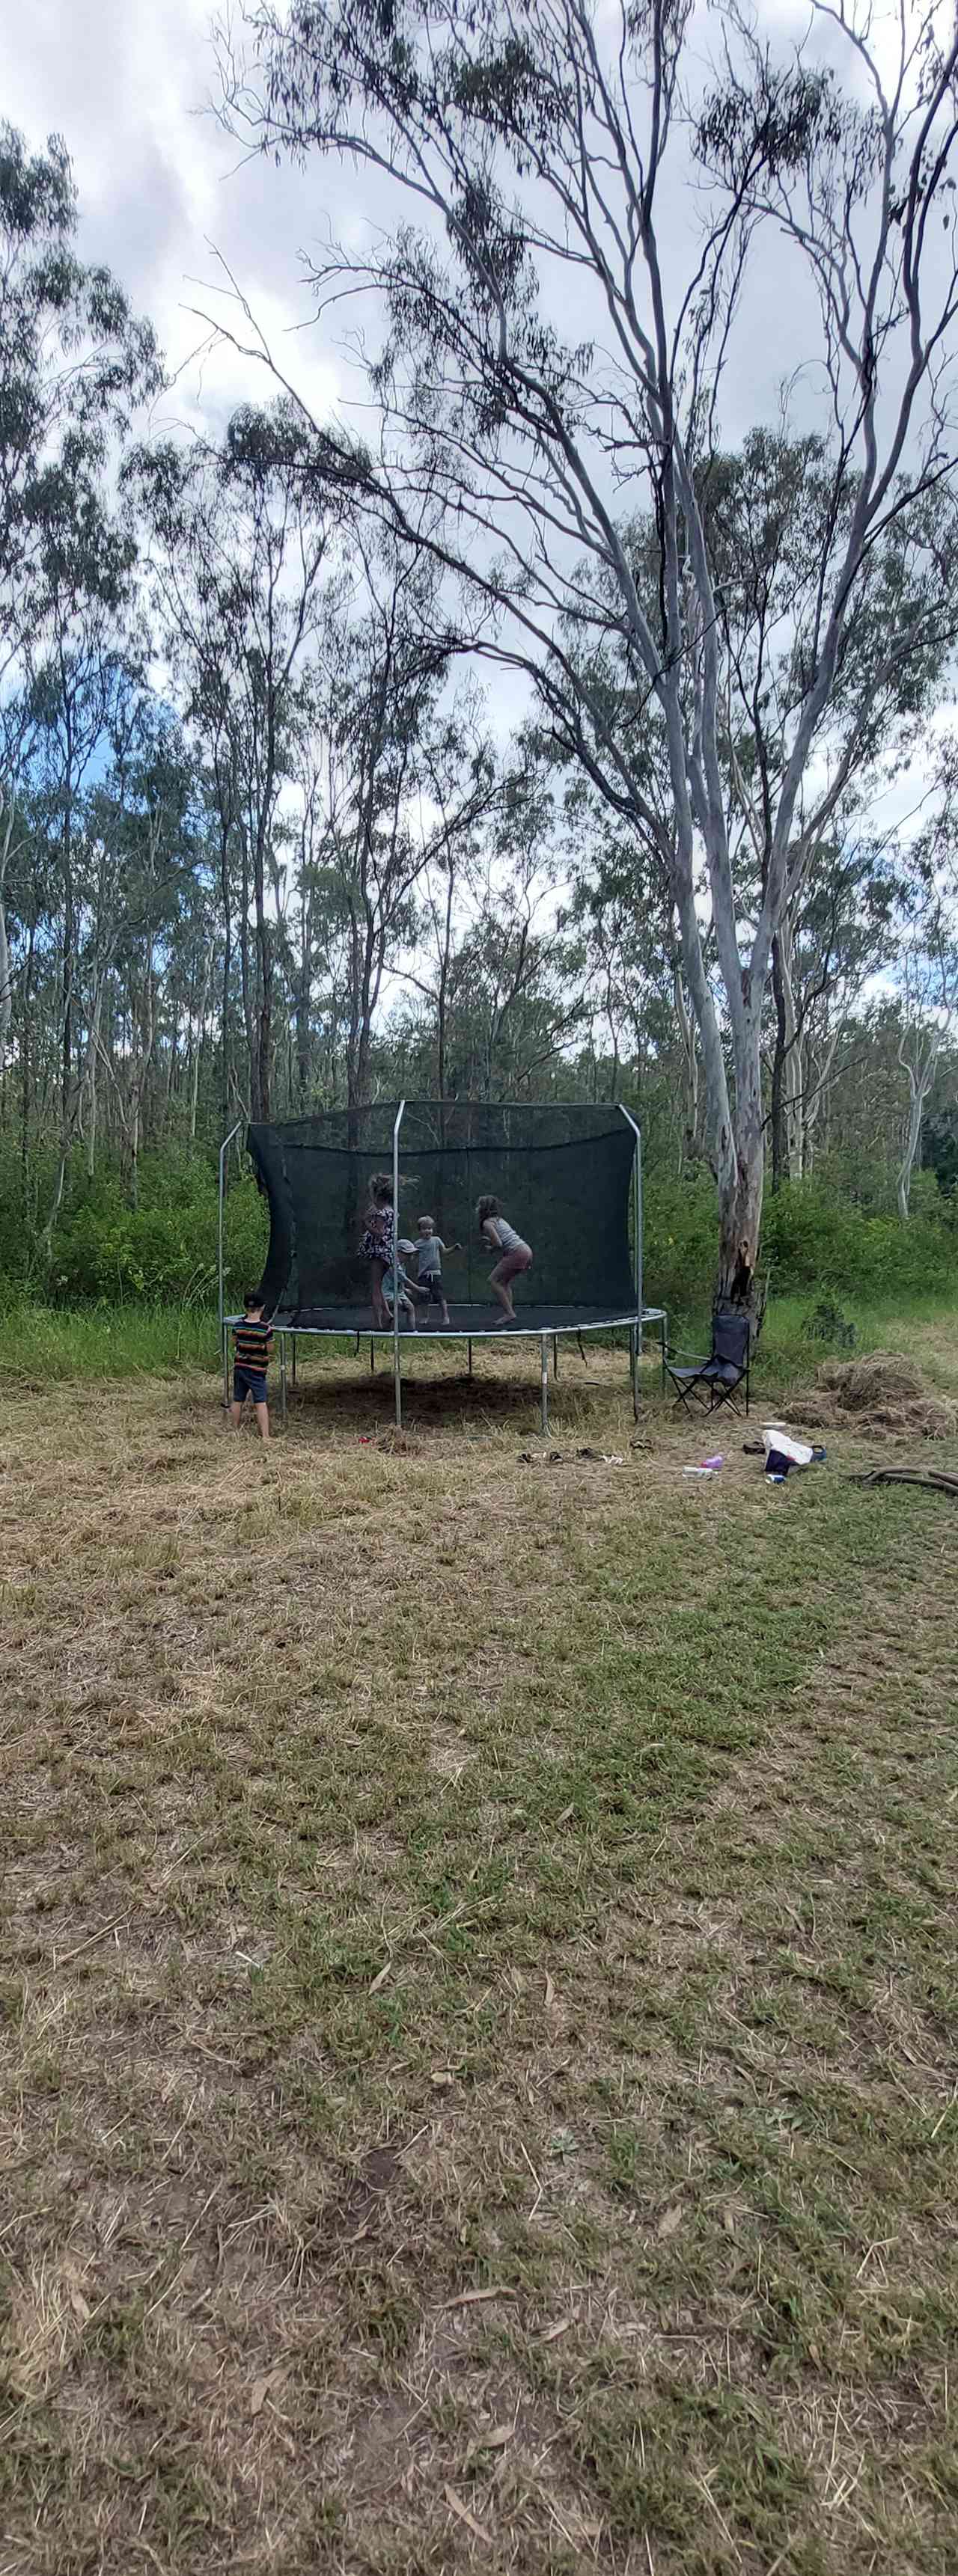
{"x":162,"y":191}
{"x":126,"y":83}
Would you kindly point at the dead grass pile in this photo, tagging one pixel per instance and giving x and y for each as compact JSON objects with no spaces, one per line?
{"x":881,"y":1392}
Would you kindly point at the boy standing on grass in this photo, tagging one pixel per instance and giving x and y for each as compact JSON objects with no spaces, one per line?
{"x":252,"y":1344}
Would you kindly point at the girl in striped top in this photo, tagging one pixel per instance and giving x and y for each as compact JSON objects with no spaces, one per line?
{"x":516,"y":1257}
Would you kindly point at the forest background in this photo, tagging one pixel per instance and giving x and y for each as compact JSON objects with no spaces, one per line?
{"x":267,"y":844}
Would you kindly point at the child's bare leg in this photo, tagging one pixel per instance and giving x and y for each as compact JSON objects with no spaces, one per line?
{"x":409,"y":1309}
{"x":262,"y":1416}
{"x":377,"y":1274}
{"x":501,"y":1289}
{"x":236,"y":1415}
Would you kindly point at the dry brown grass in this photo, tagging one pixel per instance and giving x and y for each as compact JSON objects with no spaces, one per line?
{"x":478,"y":1997}
{"x":881,"y":1392}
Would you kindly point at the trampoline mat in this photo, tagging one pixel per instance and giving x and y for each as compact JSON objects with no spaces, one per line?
{"x":465,"y":1322}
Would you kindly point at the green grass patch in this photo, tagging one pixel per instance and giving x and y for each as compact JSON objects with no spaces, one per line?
{"x":93,"y":1343}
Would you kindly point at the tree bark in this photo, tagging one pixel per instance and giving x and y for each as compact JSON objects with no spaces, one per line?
{"x":199,"y":1035}
{"x":779,"y":1123}
{"x":264,"y":961}
{"x":6,"y":979}
{"x":26,"y":1069}
{"x":741,"y":1182}
{"x":6,"y":982}
{"x":248,"y":1019}
{"x":690,"y":1059}
{"x":918,"y":1090}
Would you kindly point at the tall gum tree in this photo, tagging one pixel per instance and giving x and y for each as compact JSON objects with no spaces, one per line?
{"x":74,"y":362}
{"x":540,"y":160}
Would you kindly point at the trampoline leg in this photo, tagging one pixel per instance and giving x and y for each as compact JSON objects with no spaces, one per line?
{"x":664,"y":1330}
{"x":282,"y":1379}
{"x":397,"y":1376}
{"x":294,"y":1359}
{"x":358,"y":1340}
{"x":470,"y":1355}
{"x":372,"y":1357}
{"x":545,"y":1384}
{"x":555,"y":1355}
{"x":634,"y":1360}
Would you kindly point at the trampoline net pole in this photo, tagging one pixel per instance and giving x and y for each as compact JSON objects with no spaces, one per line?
{"x":639,"y":1289}
{"x":397,"y":1373}
{"x":224,"y":1149}
{"x":637,"y":1215}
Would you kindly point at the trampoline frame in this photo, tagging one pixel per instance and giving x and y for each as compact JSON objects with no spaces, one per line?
{"x":633,"y":1322}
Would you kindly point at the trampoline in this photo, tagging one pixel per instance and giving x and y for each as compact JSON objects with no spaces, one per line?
{"x":568,"y":1175}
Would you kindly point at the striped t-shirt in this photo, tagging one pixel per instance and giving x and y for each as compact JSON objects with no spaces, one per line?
{"x":252,"y":1344}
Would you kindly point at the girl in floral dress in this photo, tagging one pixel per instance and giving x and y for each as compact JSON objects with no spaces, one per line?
{"x":378,"y":1245}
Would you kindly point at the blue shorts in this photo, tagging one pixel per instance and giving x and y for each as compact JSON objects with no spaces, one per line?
{"x":249,"y":1382}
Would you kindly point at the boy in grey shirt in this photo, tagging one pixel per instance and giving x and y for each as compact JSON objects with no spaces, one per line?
{"x":430,"y":1248}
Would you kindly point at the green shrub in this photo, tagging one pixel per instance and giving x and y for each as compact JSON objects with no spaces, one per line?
{"x":166,"y":1247}
{"x":812,"y":1240}
{"x":819,"y":1244}
{"x":828,"y":1323}
{"x":680,"y":1244}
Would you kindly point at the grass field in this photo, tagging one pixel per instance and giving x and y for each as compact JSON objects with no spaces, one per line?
{"x":478,"y":2016}
{"x":63,"y":1344}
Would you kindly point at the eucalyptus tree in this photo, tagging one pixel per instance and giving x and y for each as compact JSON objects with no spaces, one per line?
{"x":74,"y":364}
{"x":554,"y":337}
{"x":242,"y":546}
{"x":927,"y":966}
{"x":405,"y":773}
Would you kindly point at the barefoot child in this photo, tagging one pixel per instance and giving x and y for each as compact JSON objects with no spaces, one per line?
{"x":395,"y":1277}
{"x":378,"y":1245}
{"x":252,"y":1344}
{"x":430,"y":1248}
{"x":516,"y":1255}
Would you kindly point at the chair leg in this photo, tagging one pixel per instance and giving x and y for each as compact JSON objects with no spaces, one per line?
{"x":684,"y":1397}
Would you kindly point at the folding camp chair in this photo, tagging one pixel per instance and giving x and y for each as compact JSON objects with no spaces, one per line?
{"x":721,"y":1377}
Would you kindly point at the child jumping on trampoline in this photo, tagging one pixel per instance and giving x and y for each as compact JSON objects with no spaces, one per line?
{"x":252,"y":1344}
{"x":396,"y":1278}
{"x":378,"y":1245}
{"x":429,"y":1250}
{"x":516,"y":1254}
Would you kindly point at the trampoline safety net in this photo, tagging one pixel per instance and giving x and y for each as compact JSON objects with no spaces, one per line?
{"x":562,"y":1175}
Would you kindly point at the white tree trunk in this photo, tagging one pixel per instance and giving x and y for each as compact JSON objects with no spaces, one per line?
{"x":198,"y":1037}
{"x":8,"y":810}
{"x":919,"y":1085}
{"x":6,"y":982}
